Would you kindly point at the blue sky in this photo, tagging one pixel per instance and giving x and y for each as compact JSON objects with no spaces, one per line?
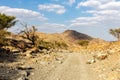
{"x":92,"y":17}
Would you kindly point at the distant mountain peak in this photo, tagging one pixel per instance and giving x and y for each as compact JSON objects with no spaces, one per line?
{"x":76,"y":35}
{"x":69,"y":31}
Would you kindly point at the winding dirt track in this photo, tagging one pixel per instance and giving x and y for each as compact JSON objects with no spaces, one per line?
{"x":74,"y":68}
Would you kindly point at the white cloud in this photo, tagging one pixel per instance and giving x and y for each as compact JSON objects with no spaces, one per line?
{"x":111,"y":5}
{"x":22,"y":13}
{"x":55,"y":25}
{"x":84,"y":21}
{"x":52,"y":27}
{"x":97,"y":3}
{"x":103,"y":13}
{"x":90,"y":3}
{"x":58,"y":9}
{"x":71,"y":2}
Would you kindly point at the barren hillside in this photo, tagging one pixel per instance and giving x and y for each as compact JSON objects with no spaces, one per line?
{"x":70,"y":37}
{"x":68,"y":34}
{"x":99,"y":60}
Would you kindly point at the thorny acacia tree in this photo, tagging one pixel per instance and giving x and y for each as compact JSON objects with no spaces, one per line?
{"x":5,"y":23}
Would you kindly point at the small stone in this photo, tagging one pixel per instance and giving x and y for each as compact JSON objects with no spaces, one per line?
{"x":102,"y":76}
{"x":21,"y":78}
{"x":110,"y":51}
{"x":23,"y":73}
{"x":28,"y":55}
{"x":101,"y":56}
{"x":44,"y":50}
{"x":31,"y":73}
{"x":43,"y":63}
{"x":90,"y":61}
{"x":60,"y":62}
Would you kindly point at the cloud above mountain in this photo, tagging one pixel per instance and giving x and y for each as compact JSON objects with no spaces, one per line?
{"x":58,"y":9}
{"x":21,"y":13}
{"x":103,"y":13}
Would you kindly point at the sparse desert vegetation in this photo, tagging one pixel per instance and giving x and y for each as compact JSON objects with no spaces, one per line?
{"x":32,"y":55}
{"x":83,"y":42}
{"x":115,"y":33}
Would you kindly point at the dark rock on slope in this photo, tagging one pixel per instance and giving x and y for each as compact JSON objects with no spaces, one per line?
{"x":72,"y":34}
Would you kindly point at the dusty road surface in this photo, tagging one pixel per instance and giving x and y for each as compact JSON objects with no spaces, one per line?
{"x":73,"y":68}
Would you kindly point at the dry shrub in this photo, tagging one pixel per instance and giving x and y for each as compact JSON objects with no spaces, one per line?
{"x":30,"y":34}
{"x":3,"y":40}
{"x":52,"y":45}
{"x":83,"y":42}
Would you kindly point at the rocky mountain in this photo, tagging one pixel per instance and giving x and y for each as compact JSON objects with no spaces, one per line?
{"x":74,"y":35}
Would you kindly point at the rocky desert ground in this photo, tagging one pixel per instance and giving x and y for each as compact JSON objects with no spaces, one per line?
{"x":99,"y":60}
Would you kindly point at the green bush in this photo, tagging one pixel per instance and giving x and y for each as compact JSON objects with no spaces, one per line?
{"x":83,"y":42}
{"x":5,"y":23}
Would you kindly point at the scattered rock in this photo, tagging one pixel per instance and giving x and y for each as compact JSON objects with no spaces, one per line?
{"x":90,"y":61}
{"x":32,"y":73}
{"x":23,"y":73}
{"x":102,"y":77}
{"x":100,"y":56}
{"x":28,"y":55}
{"x":43,"y":63}
{"x":44,"y":51}
{"x":21,"y":78}
{"x":24,"y":68}
{"x":110,"y":51}
{"x":60,"y":62}
{"x":15,"y":51}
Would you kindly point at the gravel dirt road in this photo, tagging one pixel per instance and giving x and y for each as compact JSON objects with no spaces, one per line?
{"x":73,"y":68}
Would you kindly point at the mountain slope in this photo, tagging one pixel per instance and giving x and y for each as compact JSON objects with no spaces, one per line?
{"x":73,"y":35}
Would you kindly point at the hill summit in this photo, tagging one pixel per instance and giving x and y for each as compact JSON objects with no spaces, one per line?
{"x":72,"y":34}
